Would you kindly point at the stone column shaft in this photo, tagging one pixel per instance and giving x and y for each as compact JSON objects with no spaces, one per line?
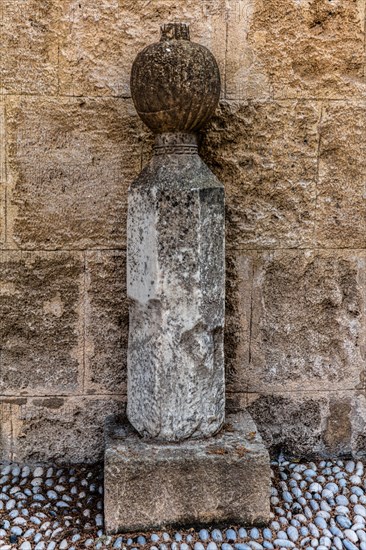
{"x":175,"y":282}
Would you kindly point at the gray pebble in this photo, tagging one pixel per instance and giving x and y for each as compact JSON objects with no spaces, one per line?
{"x":313,"y":530}
{"x":204,"y":535}
{"x":344,"y":522}
{"x":284,"y":543}
{"x":351,"y":535}
{"x":315,"y":488}
{"x":355,"y":480}
{"x":360,"y":510}
{"x":342,"y":500}
{"x":230,"y":535}
{"x":217,"y":535}
{"x":292,"y":533}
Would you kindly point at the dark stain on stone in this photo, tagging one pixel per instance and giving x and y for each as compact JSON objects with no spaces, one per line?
{"x":337,"y":436}
{"x":50,"y":403}
{"x":286,"y":425}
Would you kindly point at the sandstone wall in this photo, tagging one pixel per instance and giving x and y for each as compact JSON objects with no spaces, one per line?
{"x":288,"y":142}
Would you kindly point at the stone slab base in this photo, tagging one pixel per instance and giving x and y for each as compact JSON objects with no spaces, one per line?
{"x":222,"y":479}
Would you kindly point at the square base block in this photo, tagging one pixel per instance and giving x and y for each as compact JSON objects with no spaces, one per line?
{"x":220,"y":480}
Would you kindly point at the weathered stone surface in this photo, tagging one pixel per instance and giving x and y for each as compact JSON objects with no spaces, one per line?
{"x":341,"y":200}
{"x":295,"y":319}
{"x":311,"y":48}
{"x":307,"y":321}
{"x":110,"y":34}
{"x":301,"y":424}
{"x":164,"y":97}
{"x":106,"y":329}
{"x":338,"y":432}
{"x":70,"y":164}
{"x":2,"y":174}
{"x":266,"y":155}
{"x":70,"y":430}
{"x":225,"y":478}
{"x":238,"y":317}
{"x":291,"y":423}
{"x":294,"y":174}
{"x":358,"y":418}
{"x":41,"y":329}
{"x":175,"y":280}
{"x":29,"y":46}
{"x":246,"y":77}
{"x":5,"y":430}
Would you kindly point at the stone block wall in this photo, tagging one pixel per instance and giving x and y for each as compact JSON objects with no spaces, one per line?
{"x":289,"y":143}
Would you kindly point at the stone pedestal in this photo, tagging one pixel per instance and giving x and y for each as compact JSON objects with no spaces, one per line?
{"x":223,"y":479}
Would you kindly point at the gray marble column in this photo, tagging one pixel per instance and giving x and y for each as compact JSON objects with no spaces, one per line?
{"x":176,"y":264}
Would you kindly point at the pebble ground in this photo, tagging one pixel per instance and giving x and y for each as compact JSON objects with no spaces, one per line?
{"x":314,"y":505}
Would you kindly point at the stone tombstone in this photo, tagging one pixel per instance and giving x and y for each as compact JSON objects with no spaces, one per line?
{"x":175,"y":250}
{"x":177,"y":462}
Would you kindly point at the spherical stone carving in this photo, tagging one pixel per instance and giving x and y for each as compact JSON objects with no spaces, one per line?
{"x":175,"y":83}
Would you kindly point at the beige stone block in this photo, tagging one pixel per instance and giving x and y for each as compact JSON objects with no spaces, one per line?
{"x":310,"y":48}
{"x":71,"y":161}
{"x":341,"y":201}
{"x":308,"y":328}
{"x":66,"y":430}
{"x":2,"y":175}
{"x":266,"y":155}
{"x":106,"y":331}
{"x":41,"y":340}
{"x":246,"y":76}
{"x":100,"y":40}
{"x":29,"y":46}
